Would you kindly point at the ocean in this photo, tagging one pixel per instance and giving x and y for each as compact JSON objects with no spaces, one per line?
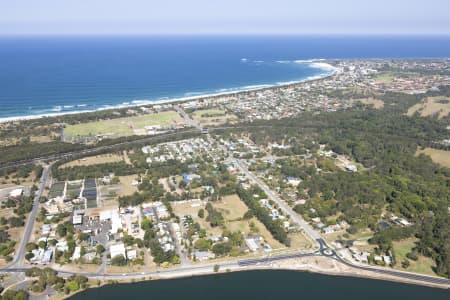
{"x":53,"y":74}
{"x":261,"y":284}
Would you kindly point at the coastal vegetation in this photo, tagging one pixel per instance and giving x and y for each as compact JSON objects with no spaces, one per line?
{"x":394,"y":180}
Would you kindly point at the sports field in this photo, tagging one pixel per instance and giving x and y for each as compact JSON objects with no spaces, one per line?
{"x":123,"y":126}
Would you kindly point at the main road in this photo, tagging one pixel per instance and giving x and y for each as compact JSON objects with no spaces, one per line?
{"x":16,"y":267}
{"x":18,"y":259}
{"x":293,"y":215}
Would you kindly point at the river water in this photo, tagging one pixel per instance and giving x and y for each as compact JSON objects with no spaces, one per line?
{"x":266,"y":284}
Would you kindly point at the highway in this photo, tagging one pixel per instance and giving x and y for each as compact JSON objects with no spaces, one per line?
{"x":94,"y":150}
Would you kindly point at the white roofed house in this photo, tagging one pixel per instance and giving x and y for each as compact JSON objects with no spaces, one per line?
{"x":117,"y":249}
{"x":77,"y":220}
{"x":77,"y":253}
{"x":116,"y":222}
{"x":16,"y":193}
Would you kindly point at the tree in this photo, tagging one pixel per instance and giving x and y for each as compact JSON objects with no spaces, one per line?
{"x":4,"y":236}
{"x":118,"y":260}
{"x":61,"y":230}
{"x":83,"y":236}
{"x":201,"y":213}
{"x":42,"y":244}
{"x":216,"y":268}
{"x":203,"y":244}
{"x":100,"y":249}
{"x":405,"y":264}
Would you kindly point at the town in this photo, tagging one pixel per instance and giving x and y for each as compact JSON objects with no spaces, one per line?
{"x":236,"y":191}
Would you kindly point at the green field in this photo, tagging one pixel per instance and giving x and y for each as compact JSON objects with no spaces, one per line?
{"x":123,"y":126}
{"x":209,"y":112}
{"x":422,"y":265}
{"x":212,"y":116}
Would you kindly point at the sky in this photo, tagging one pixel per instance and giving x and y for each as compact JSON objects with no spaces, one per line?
{"x":28,"y":17}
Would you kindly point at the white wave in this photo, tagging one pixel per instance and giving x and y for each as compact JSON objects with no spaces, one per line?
{"x":56,"y":108}
{"x":244,"y":59}
{"x":141,"y":102}
{"x":307,"y":61}
{"x":256,"y":86}
{"x":189,"y":94}
{"x":68,"y":106}
{"x":284,"y":61}
{"x":81,"y":105}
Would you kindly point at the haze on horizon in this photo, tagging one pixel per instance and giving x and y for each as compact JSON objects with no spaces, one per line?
{"x":31,"y":17}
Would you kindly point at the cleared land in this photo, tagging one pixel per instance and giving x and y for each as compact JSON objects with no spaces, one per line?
{"x":232,"y":209}
{"x":385,"y":77}
{"x":439,"y":106}
{"x":123,"y":126}
{"x":212,"y":116}
{"x":389,"y":76}
{"x":441,"y":157}
{"x":376,"y":103}
{"x":94,"y":160}
{"x":125,"y":186}
{"x":422,"y":265}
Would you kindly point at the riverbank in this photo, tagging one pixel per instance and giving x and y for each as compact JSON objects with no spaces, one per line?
{"x":328,"y":71}
{"x":314,"y":265}
{"x":300,"y":279}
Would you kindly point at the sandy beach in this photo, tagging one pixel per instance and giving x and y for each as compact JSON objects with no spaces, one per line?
{"x":328,"y":69}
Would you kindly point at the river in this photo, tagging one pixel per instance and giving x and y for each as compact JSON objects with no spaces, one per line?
{"x":265,"y":285}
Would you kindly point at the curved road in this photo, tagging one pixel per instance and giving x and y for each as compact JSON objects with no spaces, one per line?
{"x":17,"y":267}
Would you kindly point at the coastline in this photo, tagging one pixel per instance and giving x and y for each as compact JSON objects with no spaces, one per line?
{"x":328,"y":71}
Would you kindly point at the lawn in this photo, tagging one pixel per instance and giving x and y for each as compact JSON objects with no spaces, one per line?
{"x":441,"y":157}
{"x":422,"y":265}
{"x":123,"y":126}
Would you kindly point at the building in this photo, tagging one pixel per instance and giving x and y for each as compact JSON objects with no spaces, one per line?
{"x":252,"y":244}
{"x":351,"y":168}
{"x":16,"y":193}
{"x":188,"y":178}
{"x":117,"y":249}
{"x":77,"y":220}
{"x":77,"y":253}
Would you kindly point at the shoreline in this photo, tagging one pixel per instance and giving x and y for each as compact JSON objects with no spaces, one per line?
{"x":351,"y":273}
{"x":328,"y":71}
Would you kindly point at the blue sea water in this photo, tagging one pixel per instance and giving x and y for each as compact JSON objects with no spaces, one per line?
{"x":45,"y":75}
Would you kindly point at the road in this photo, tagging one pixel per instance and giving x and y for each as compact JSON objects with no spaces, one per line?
{"x":293,"y":215}
{"x":94,"y":150}
{"x":17,"y":268}
{"x":186,"y":117}
{"x":18,"y":259}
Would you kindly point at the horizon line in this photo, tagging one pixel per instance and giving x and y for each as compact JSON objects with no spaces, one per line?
{"x":49,"y":34}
